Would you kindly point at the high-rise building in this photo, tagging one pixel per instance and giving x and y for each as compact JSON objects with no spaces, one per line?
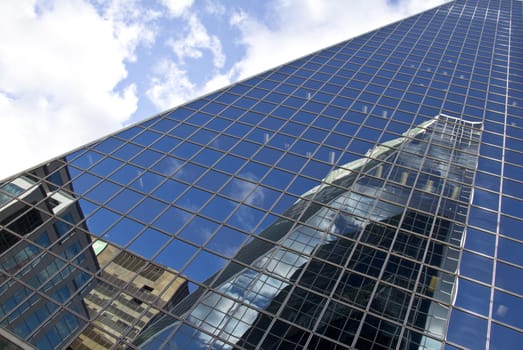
{"x":366,"y":196}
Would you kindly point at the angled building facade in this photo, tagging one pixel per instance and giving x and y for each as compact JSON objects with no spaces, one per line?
{"x":366,"y":196}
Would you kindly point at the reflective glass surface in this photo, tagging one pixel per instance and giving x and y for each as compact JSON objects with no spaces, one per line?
{"x":366,"y":196}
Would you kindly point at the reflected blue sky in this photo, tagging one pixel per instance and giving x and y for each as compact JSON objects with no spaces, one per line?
{"x":191,"y":187}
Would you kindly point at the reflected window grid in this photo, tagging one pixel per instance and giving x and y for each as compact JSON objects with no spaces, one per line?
{"x":419,"y":73}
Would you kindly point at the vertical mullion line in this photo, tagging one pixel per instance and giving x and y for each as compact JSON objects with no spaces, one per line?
{"x":278,"y":244}
{"x":311,"y":200}
{"x":422,"y":262}
{"x":357,"y":239}
{"x":500,"y":194}
{"x":389,"y":250}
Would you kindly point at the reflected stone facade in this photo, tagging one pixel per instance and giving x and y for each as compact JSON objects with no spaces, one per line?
{"x":366,"y":196}
{"x":114,"y":313}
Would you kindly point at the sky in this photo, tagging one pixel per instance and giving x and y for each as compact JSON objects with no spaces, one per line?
{"x":72,"y":71}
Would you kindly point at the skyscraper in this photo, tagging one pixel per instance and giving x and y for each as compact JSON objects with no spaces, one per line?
{"x":365,"y":196}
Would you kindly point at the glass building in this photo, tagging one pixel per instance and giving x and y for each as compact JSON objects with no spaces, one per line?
{"x":366,"y":196}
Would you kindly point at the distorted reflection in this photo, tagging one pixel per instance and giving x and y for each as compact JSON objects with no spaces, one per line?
{"x":58,"y":287}
{"x":323,"y":266}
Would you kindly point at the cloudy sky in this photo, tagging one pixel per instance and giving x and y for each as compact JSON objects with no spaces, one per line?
{"x":72,"y":71}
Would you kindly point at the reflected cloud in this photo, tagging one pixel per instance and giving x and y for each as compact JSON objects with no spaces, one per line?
{"x":174,"y":166}
{"x":501,"y":310}
{"x":246,"y":191}
{"x":353,"y":208}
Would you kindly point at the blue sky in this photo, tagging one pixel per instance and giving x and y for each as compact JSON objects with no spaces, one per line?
{"x":72,"y":71}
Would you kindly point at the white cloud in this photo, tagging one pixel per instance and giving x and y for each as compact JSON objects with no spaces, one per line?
{"x":196,"y":38}
{"x":171,"y":85}
{"x":177,"y":7}
{"x":60,"y":63}
{"x":246,"y":191}
{"x":215,"y":8}
{"x":298,"y":27}
{"x":132,"y":24}
{"x":216,"y":82}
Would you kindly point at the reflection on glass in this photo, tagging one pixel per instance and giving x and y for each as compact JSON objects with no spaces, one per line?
{"x":343,"y":266}
{"x":209,"y":226}
{"x":118,"y":303}
{"x":43,"y":250}
{"x":58,"y":287}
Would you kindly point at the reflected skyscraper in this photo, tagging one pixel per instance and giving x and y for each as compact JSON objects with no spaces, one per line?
{"x":365,"y":196}
{"x":376,"y":231}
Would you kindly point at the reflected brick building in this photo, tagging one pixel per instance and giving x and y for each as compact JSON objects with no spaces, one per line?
{"x":366,"y":196}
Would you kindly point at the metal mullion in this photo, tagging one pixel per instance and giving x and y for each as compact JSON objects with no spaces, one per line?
{"x":501,"y":187}
{"x":357,"y":242}
{"x":458,"y":124}
{"x":380,"y":276}
{"x":295,"y":284}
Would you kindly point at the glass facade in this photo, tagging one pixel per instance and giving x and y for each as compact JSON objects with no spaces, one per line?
{"x":365,"y":196}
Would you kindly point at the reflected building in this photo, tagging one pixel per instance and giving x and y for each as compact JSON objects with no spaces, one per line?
{"x":366,"y":196}
{"x":342,"y":269}
{"x":41,"y":249}
{"x":61,"y":289}
{"x":115,"y":303}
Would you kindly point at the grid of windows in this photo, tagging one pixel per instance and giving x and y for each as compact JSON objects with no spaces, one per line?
{"x":367,"y":195}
